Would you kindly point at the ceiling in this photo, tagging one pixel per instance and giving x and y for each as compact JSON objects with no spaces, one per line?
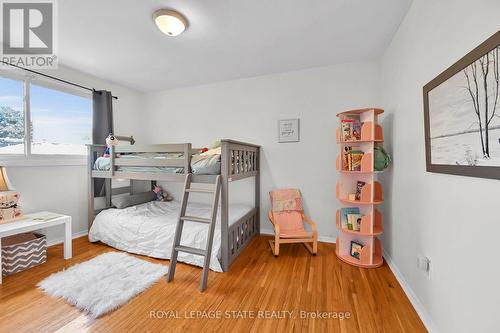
{"x":226,"y":39}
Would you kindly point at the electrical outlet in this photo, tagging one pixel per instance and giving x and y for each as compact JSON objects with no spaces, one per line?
{"x":424,"y":264}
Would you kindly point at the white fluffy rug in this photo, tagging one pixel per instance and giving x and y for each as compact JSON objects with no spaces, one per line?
{"x":103,"y":283}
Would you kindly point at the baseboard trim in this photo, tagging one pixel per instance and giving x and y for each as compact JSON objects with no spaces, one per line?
{"x":417,"y":305}
{"x":77,"y":234}
{"x":324,"y":239}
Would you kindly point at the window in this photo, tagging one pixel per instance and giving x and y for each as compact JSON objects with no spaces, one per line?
{"x":61,"y":123}
{"x":11,"y":116}
{"x":57,"y":118}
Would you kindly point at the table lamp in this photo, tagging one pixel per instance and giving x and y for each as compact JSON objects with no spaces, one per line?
{"x":4,"y":181}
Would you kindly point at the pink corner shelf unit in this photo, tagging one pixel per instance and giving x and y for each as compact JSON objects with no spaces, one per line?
{"x":371,"y":194}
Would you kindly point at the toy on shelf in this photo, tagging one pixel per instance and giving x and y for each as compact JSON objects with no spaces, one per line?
{"x":361,"y":155}
{"x":9,"y":209}
{"x":382,"y":159}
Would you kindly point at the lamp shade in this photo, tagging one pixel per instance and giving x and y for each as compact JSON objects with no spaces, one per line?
{"x":4,"y":181}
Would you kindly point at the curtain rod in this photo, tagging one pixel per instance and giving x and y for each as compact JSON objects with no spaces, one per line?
{"x":51,"y":77}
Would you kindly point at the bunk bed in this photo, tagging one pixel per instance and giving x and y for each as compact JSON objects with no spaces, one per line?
{"x":171,"y":163}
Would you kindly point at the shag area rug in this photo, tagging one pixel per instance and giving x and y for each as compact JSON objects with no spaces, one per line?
{"x":104,"y":283}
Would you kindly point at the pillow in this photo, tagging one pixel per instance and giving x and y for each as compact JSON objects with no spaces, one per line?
{"x":125,"y":201}
{"x":216,"y":144}
{"x":209,"y":165}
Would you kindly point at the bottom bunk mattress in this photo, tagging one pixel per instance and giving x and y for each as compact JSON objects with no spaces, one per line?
{"x":149,"y":229}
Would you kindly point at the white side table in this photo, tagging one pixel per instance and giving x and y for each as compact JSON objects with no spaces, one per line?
{"x":29,"y":223}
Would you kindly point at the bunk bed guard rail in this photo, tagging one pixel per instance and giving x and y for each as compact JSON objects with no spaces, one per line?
{"x":239,"y":160}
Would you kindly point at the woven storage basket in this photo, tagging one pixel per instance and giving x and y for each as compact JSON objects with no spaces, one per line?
{"x":23,"y":251}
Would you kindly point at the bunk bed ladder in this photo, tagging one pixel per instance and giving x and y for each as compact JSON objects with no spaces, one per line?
{"x":177,"y":247}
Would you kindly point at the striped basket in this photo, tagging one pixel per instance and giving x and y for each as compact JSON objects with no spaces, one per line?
{"x":23,"y":251}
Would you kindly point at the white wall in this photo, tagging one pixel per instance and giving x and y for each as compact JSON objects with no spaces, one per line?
{"x":63,"y":188}
{"x":249,"y":109}
{"x":451,"y":219}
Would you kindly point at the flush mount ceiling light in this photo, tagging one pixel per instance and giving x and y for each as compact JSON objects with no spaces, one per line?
{"x":170,"y":22}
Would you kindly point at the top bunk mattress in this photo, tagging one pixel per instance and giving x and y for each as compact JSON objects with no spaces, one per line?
{"x":149,"y":229}
{"x":202,"y":165}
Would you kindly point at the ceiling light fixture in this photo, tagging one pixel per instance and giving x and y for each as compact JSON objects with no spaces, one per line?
{"x":170,"y":22}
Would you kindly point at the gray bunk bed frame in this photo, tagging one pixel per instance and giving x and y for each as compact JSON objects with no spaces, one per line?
{"x":239,"y":160}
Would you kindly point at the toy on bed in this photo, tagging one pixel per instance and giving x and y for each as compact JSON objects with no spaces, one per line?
{"x":162,"y":195}
{"x":213,"y":149}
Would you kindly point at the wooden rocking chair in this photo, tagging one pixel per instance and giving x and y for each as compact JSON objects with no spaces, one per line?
{"x":287,"y":218}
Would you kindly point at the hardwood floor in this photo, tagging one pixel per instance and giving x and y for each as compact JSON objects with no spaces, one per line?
{"x":296,"y":282}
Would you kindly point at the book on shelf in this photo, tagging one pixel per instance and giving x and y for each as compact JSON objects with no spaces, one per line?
{"x":351,"y":158}
{"x":345,"y":158}
{"x":350,"y":225}
{"x":356,"y":130}
{"x":344,"y":212}
{"x":354,"y":222}
{"x":359,"y":187}
{"x":351,"y":128}
{"x":356,"y":156}
{"x":356,"y":248}
{"x":346,"y":125}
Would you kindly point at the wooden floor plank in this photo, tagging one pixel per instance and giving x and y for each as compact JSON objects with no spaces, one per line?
{"x":295,"y":283}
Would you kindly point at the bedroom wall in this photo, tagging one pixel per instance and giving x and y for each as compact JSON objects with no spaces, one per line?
{"x":249,"y":110}
{"x":63,"y":188}
{"x":451,"y":219}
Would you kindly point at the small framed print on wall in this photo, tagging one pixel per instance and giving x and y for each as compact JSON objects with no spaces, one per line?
{"x":288,"y":130}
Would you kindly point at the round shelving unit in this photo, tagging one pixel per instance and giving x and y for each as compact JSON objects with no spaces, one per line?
{"x":360,"y":247}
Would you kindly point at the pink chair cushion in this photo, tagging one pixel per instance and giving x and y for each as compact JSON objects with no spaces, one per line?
{"x":286,"y":200}
{"x":291,"y":225}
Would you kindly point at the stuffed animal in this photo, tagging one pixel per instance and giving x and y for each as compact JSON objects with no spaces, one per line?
{"x":111,"y":141}
{"x":382,"y":158}
{"x":162,"y":195}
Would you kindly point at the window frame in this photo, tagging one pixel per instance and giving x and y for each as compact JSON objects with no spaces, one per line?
{"x":27,"y":158}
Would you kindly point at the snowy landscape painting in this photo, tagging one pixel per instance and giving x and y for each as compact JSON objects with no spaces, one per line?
{"x":462,"y":115}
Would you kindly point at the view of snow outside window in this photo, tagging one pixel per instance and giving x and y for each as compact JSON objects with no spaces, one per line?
{"x":61,"y":123}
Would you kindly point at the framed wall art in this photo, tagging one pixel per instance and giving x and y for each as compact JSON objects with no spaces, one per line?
{"x":462,"y":115}
{"x":288,"y":130}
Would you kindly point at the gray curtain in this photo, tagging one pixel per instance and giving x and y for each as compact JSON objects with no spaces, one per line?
{"x":102,"y":117}
{"x":102,"y":126}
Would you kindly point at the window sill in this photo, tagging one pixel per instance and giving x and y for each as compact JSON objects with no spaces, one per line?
{"x":50,"y":160}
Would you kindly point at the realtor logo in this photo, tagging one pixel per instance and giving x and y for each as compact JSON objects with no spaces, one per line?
{"x":28,"y":33}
